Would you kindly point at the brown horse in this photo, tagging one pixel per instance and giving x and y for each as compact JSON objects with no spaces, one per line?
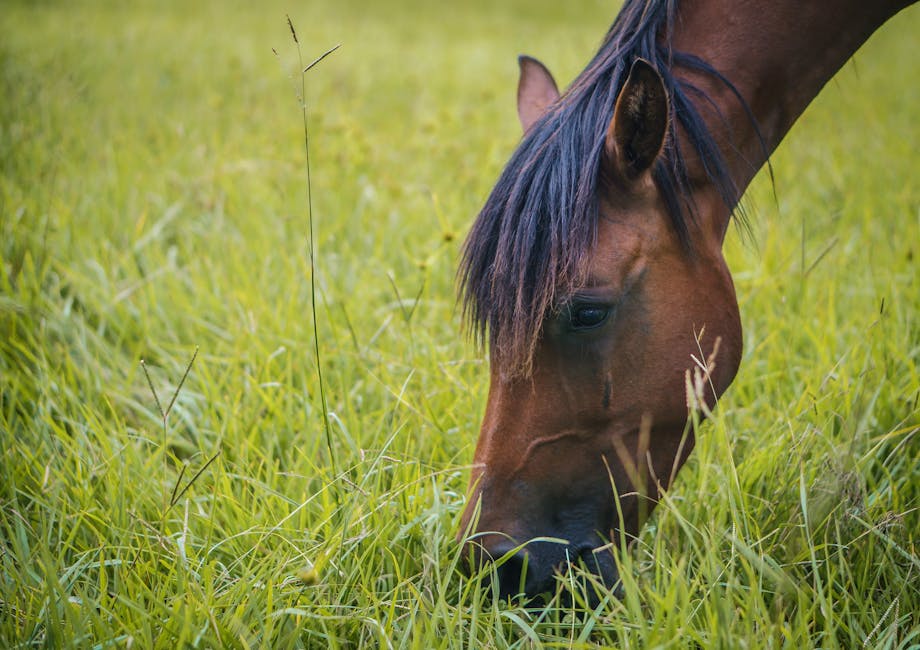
{"x":595,"y":268}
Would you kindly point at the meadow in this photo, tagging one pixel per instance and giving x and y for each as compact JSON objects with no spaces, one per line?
{"x":168,"y":478}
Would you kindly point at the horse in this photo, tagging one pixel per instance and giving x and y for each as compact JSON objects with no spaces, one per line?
{"x":595,"y":274}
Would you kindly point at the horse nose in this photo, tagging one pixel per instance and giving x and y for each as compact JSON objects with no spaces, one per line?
{"x":531,"y":570}
{"x":510,"y":570}
{"x":508,"y":564}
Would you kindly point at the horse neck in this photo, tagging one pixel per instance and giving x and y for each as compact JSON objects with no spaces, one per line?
{"x":778,"y":55}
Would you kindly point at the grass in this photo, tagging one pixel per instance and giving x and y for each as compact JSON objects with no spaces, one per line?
{"x":152,"y":204}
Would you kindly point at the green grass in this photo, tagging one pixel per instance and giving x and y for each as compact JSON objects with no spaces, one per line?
{"x":153,"y":202}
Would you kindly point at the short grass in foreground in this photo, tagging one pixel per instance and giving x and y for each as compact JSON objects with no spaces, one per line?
{"x":152,"y":202}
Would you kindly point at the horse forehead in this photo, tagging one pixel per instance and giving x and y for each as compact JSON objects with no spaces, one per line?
{"x":624,"y":238}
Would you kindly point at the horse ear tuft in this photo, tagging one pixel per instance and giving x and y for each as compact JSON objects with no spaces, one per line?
{"x":637,"y":132}
{"x":537,"y":90}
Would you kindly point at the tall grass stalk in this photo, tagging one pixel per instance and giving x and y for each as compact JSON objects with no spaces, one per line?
{"x":327,"y":428}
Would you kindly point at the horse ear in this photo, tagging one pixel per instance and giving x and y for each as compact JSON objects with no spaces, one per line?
{"x":639,"y":126}
{"x":536,"y":91}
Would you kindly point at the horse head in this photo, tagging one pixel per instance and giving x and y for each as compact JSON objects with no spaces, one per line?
{"x":580,"y":437}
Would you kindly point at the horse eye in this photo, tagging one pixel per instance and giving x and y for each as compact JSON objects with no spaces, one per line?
{"x":583,"y":317}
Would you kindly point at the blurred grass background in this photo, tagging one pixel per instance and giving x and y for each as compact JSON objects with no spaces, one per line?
{"x":153,"y":201}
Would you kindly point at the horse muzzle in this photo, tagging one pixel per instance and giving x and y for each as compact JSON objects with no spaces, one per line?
{"x":539,"y":567}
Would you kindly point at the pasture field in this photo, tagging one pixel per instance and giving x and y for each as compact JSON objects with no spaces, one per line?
{"x":153,"y":204}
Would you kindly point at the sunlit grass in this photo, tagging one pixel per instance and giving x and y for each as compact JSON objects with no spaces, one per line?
{"x":152,"y":202}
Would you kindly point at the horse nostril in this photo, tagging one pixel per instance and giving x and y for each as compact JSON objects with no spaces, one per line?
{"x":511,"y":573}
{"x":509,"y":565}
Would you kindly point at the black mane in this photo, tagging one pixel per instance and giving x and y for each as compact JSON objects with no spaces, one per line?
{"x":528,"y":245}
